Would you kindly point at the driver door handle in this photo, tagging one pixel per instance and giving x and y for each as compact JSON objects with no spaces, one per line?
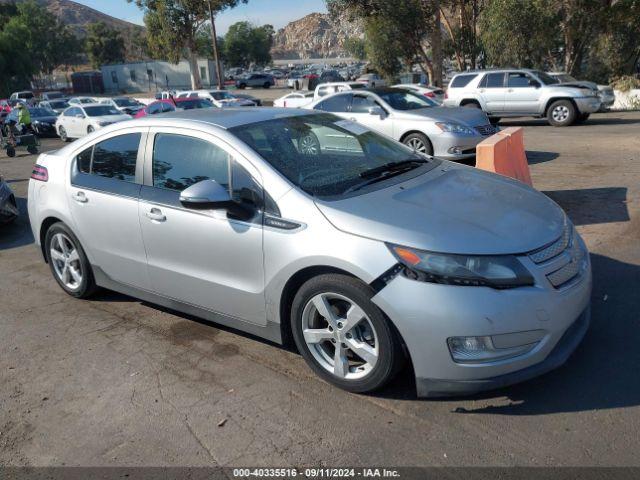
{"x":80,"y":197}
{"x":156,"y":215}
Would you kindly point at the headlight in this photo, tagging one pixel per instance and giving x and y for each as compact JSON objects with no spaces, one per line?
{"x":503,"y":271}
{"x":455,"y":128}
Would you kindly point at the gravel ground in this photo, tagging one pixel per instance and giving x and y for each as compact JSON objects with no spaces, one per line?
{"x":115,"y":381}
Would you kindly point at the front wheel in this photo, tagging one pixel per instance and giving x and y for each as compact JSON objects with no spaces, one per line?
{"x":343,"y":336}
{"x":419,"y":142}
{"x":68,"y":262}
{"x":62,"y":133}
{"x":32,"y":149}
{"x":90,"y":129}
{"x":562,"y":113}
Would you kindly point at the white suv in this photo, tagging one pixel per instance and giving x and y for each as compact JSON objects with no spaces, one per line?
{"x":522,"y":93}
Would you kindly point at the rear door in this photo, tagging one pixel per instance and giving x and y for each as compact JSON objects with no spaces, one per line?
{"x":103,"y":197}
{"x":492,"y":91}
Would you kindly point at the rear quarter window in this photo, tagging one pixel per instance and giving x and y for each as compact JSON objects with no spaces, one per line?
{"x":462,"y":81}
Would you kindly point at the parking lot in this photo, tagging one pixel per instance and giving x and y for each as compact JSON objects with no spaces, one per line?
{"x":116,"y":381}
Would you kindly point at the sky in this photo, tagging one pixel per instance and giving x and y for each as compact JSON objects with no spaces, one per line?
{"x":275,"y":12}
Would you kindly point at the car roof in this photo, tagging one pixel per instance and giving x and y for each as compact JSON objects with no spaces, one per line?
{"x":233,"y":117}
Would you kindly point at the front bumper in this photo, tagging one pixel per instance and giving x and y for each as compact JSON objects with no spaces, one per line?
{"x":427,"y":314}
{"x":455,"y":147}
{"x":607,"y":99}
{"x":588,"y":104}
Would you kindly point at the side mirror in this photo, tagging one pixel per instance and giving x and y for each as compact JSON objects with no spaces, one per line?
{"x":206,"y":194}
{"x":377,"y":111}
{"x":79,"y":115}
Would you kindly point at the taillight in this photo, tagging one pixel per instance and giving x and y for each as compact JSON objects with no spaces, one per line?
{"x":430,"y":95}
{"x":40,"y":173}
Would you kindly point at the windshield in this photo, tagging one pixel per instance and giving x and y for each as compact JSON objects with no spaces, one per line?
{"x":194,"y":103}
{"x":52,"y":95}
{"x":222,"y":95}
{"x":59,"y":104}
{"x":404,"y":100}
{"x":85,"y":100}
{"x":322,"y":154}
{"x":99,"y":111}
{"x":41,"y":112}
{"x":125,"y":102}
{"x":546,"y":79}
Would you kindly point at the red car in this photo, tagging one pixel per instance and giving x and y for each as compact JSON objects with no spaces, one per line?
{"x":5,"y":108}
{"x":173,"y":104}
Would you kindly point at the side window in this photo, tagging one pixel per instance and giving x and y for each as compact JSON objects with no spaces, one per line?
{"x":338,"y":103}
{"x":167,"y":107}
{"x":116,"y":157}
{"x":70,"y":112}
{"x":362,"y":103}
{"x":83,"y":160}
{"x":517,"y":80}
{"x":462,"y":80}
{"x":495,"y":80}
{"x":322,"y":91}
{"x":180,"y":161}
{"x":154,"y":108}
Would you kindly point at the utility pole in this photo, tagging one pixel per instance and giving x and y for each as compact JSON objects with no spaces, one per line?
{"x":214,"y":40}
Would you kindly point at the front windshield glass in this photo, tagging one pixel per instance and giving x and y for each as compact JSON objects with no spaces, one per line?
{"x":322,"y":154}
{"x":59,"y":104}
{"x":52,"y":95}
{"x":194,"y":103}
{"x":99,"y":111}
{"x":125,"y":102}
{"x":546,"y":79}
{"x":564,"y":77}
{"x":404,"y":100}
{"x":41,"y":112}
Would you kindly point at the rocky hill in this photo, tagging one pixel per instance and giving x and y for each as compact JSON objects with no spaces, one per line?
{"x":315,"y":36}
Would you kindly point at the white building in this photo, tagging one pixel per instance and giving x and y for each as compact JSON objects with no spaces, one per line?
{"x":155,"y":75}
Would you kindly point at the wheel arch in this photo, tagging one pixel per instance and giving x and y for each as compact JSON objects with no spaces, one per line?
{"x":469,"y":100}
{"x":44,"y":227}
{"x":555,"y":99}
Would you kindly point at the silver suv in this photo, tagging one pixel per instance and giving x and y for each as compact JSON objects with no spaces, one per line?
{"x":522,"y":93}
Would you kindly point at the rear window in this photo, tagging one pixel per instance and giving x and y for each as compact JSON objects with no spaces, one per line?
{"x":462,"y":80}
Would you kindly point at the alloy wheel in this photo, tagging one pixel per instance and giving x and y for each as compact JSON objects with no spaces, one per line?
{"x":66,"y":261}
{"x":63,"y":134}
{"x":340,"y":336}
{"x":417,"y":145}
{"x":560,"y":113}
{"x":309,"y":145}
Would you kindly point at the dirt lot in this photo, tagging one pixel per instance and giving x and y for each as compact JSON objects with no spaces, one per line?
{"x":114,"y":381}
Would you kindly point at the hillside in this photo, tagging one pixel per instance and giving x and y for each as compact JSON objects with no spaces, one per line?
{"x":315,"y":36}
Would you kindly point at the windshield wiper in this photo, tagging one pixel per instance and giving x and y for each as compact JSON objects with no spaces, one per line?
{"x":385,"y":171}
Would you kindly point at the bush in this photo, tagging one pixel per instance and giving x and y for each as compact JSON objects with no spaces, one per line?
{"x":625,"y":83}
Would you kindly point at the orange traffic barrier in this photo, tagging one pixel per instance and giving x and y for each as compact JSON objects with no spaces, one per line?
{"x":504,"y":153}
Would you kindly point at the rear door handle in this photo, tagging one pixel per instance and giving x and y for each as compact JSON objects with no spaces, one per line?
{"x":156,"y":215}
{"x":80,"y":197}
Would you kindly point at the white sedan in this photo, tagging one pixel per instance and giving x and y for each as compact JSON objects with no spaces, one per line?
{"x":434,"y":93}
{"x":294,"y":100}
{"x":80,"y":120}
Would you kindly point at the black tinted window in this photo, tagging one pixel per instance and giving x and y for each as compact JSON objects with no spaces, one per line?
{"x":339,"y":103}
{"x":180,"y":161}
{"x":154,"y":108}
{"x":518,"y":80}
{"x":462,"y":80}
{"x":116,"y":157}
{"x":361,"y":104}
{"x":494,"y":80}
{"x":83,"y":160}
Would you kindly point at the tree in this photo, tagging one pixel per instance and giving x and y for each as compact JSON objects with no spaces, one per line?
{"x":173,"y":26}
{"x":382,"y":47}
{"x":356,"y":47}
{"x":246,"y":44}
{"x":460,"y":21}
{"x":104,"y":45}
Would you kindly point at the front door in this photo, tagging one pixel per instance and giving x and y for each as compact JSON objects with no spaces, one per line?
{"x":104,"y":188}
{"x":492,"y":91}
{"x":523,"y":93}
{"x":360,"y":112}
{"x":204,"y":258}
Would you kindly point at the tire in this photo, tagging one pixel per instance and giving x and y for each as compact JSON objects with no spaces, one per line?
{"x":494,"y":120}
{"x":266,"y":85}
{"x":371,"y":334}
{"x":474,"y":104}
{"x":70,"y":258}
{"x":11,"y":152}
{"x":583,"y":117}
{"x":562,"y":113}
{"x":419,"y":142}
{"x":62,"y":133}
{"x":32,"y":149}
{"x":90,"y":129}
{"x":309,"y":144}
{"x":242,"y":86}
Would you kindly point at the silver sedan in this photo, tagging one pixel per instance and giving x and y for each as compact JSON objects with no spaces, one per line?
{"x":413,"y":119}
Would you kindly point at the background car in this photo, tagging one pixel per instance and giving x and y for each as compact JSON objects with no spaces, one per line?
{"x":434,"y":93}
{"x":219,"y":98}
{"x":80,"y":120}
{"x":244,"y":96}
{"x":52,"y":95}
{"x":412,"y":119}
{"x":255,"y":80}
{"x":5,"y":108}
{"x":330,"y":76}
{"x":294,"y":78}
{"x":325,"y":89}
{"x":42,"y":121}
{"x":82,"y":100}
{"x":8,"y":206}
{"x":605,"y":92}
{"x":124,"y":104}
{"x":294,"y":100}
{"x":371,"y":80}
{"x":26,"y":96}
{"x":173,"y":104}
{"x":57,"y":106}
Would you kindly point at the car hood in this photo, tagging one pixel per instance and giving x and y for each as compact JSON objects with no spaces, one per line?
{"x":51,"y":119}
{"x":580,"y":84}
{"x":472,"y":117}
{"x":453,"y":210}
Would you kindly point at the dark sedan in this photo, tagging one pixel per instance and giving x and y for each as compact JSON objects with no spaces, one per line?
{"x":42,"y":121}
{"x":8,"y":206}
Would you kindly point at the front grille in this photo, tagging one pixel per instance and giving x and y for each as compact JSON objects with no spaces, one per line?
{"x":554,"y":249}
{"x":486,"y":129}
{"x":570,"y":270}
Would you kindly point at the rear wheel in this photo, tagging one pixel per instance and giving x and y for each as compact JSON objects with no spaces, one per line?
{"x":32,"y":149}
{"x":11,"y":152}
{"x":343,"y":336}
{"x":562,"y":113}
{"x":242,"y":86}
{"x":419,"y":142}
{"x":266,"y":85}
{"x":68,"y":262}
